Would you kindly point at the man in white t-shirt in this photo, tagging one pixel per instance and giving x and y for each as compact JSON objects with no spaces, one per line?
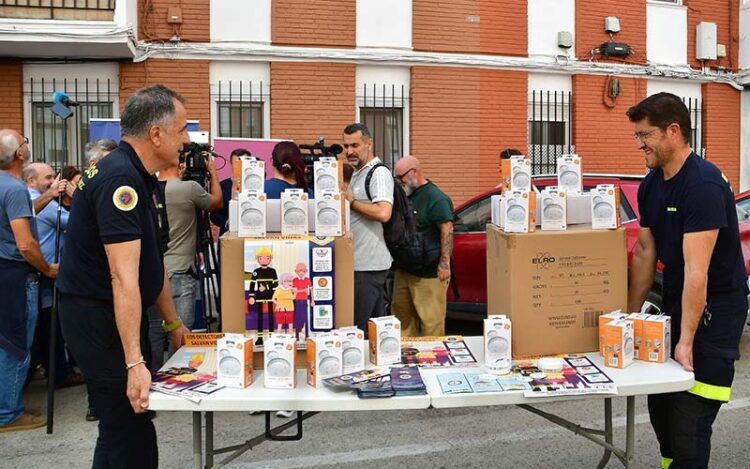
{"x":371,"y":257}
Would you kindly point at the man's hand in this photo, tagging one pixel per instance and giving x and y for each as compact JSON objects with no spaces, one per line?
{"x":139,"y":382}
{"x":52,"y":271}
{"x":349,"y":195}
{"x":177,"y":336}
{"x":70,"y":189}
{"x":444,"y":272}
{"x":683,"y":354}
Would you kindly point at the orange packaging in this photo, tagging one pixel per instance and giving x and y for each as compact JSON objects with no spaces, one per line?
{"x":618,"y":343}
{"x":604,"y":319}
{"x":656,"y":342}
{"x":324,"y":358}
{"x":234,"y":361}
{"x":638,"y":320}
{"x":504,"y":175}
{"x":519,"y":212}
{"x":236,"y":177}
{"x":385,"y":340}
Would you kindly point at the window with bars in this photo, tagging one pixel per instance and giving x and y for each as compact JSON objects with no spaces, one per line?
{"x":240,"y":107}
{"x":96,"y":99}
{"x":381,"y":109}
{"x":695,"y":109}
{"x":550,"y":133}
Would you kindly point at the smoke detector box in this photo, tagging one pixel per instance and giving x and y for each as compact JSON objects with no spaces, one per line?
{"x":705,"y":41}
{"x":612,"y":24}
{"x":174,"y":15}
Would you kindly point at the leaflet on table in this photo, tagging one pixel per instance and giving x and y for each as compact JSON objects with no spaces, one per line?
{"x":454,"y":383}
{"x":578,"y":376}
{"x":190,"y":374}
{"x":435,"y":352}
{"x":289,"y":285}
{"x":407,"y":381}
{"x":348,"y":380}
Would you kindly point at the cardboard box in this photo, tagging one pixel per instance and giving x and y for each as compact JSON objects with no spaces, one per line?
{"x":497,"y":341}
{"x":280,"y":357}
{"x":324,"y":358}
{"x":520,"y":173}
{"x":656,"y":339}
{"x":354,"y":351}
{"x":233,"y":285}
{"x":329,"y":213}
{"x":234,"y":361}
{"x":385,"y":340}
{"x":619,"y":343}
{"x":252,"y":216}
{"x":294,"y":208}
{"x":327,"y":174}
{"x":570,"y":174}
{"x":253,"y":177}
{"x":554,"y":209}
{"x":605,"y":207}
{"x":604,"y":319}
{"x":519,"y":212}
{"x":555,"y":284}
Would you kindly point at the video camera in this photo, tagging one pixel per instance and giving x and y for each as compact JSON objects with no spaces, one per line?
{"x":194,"y":155}
{"x":314,"y":153}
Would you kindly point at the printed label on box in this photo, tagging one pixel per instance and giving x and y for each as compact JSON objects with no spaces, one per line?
{"x":323,"y":289}
{"x":322,"y":317}
{"x":322,"y":260}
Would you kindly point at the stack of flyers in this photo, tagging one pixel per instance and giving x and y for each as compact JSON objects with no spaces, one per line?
{"x":185,"y":382}
{"x":375,"y":388}
{"x":514,"y":384}
{"x":349,"y":381}
{"x":407,"y":381}
{"x":454,"y":383}
{"x":484,"y":383}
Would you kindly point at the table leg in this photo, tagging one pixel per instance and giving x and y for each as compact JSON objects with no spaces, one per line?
{"x":607,"y":432}
{"x":209,"y":440}
{"x":197,"y":450}
{"x":630,"y":434}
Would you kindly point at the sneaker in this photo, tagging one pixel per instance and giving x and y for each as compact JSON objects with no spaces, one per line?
{"x":91,"y":415}
{"x":285,"y":413}
{"x":25,"y":422}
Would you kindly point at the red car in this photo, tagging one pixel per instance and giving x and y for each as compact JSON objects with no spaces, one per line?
{"x":467,"y":293}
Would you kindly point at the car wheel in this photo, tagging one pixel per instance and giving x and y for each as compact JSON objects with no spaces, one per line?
{"x":654,"y":300}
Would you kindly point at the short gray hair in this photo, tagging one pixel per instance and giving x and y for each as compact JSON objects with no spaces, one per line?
{"x":148,"y":107}
{"x":9,"y":144}
{"x":29,"y":171}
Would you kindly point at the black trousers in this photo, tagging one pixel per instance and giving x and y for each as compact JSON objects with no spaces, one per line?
{"x":126,"y":439}
{"x":369,"y":296}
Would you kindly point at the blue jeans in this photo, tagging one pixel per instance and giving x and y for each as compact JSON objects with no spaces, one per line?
{"x":182,"y":285}
{"x":12,"y":371}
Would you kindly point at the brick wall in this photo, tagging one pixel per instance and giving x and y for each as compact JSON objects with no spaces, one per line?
{"x":725,"y":13}
{"x":152,"y":20}
{"x":11,"y":89}
{"x":187,"y":77}
{"x":323,"y":23}
{"x":603,"y":136}
{"x":311,"y":99}
{"x":721,"y":129}
{"x":460,"y":120}
{"x":590,"y":32}
{"x":443,"y":26}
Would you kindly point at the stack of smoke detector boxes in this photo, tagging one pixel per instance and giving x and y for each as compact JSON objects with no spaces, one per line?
{"x":385,"y":340}
{"x":251,"y":198}
{"x":353,"y":349}
{"x":324,"y":358}
{"x":234,"y":366}
{"x":651,"y":341}
{"x":329,"y":202}
{"x":554,"y":209}
{"x":652,"y":337}
{"x":294,"y":212}
{"x":497,"y":343}
{"x":515,"y":209}
{"x":619,"y":343}
{"x":605,"y":207}
{"x":569,"y":174}
{"x":605,"y":319}
{"x":280,"y":361}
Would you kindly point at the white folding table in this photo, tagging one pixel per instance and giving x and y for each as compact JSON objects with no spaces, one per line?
{"x":638,"y":379}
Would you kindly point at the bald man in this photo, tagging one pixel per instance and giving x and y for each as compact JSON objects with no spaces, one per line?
{"x":21,"y":261}
{"x":41,"y":178}
{"x":419,"y":294}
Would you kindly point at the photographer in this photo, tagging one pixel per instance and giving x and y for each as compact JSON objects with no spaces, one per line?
{"x":182,"y":199}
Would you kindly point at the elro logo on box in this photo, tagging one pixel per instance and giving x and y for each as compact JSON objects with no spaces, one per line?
{"x":543,"y":260}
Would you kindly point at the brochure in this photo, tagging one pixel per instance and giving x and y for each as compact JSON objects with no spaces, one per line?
{"x":434,"y":352}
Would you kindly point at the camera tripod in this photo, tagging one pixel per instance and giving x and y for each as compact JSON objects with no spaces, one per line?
{"x":208,"y":273}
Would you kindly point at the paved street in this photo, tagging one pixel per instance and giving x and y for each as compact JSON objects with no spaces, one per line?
{"x":474,"y":437}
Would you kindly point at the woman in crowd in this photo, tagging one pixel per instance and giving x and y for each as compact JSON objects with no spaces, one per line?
{"x":288,"y":171}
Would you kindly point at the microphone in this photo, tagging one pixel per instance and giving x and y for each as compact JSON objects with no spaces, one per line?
{"x":64,"y":99}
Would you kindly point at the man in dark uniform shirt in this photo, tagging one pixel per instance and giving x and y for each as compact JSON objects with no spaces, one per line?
{"x":689,"y":223}
{"x":112,"y":270}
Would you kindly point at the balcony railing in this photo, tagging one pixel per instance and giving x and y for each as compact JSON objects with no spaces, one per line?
{"x":96,"y":10}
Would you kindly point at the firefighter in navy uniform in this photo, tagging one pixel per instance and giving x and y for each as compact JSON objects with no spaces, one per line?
{"x":112,"y":270}
{"x":689,"y":223}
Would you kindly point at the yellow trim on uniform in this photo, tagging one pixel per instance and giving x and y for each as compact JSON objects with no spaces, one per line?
{"x":666,"y":462}
{"x":711,"y":391}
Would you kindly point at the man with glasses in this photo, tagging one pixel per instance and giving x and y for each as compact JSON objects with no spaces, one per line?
{"x":21,"y":261}
{"x":419,"y":292}
{"x":689,"y":223}
{"x":371,"y":257}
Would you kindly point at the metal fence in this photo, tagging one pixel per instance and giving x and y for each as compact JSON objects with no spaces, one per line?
{"x":97,"y":99}
{"x":695,"y":108}
{"x":240,"y":108}
{"x":550,"y":132}
{"x":381,"y":109}
{"x":107,"y":5}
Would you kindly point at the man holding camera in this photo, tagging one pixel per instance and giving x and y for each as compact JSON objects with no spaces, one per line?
{"x":184,"y":199}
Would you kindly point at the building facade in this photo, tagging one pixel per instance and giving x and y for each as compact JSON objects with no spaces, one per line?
{"x":450,"y":82}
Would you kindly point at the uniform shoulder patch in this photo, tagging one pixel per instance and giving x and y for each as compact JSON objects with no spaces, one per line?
{"x":125,"y":198}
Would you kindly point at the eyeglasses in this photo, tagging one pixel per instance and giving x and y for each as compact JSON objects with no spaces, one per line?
{"x":25,"y":142}
{"x":643,"y":135}
{"x":401,"y":177}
